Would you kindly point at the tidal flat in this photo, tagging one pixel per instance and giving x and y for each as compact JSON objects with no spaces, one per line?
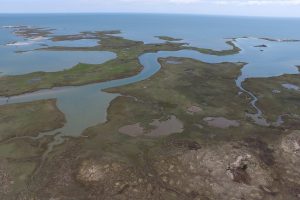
{"x":179,"y":133}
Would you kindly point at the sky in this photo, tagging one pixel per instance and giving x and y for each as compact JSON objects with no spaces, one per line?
{"x":271,"y":8}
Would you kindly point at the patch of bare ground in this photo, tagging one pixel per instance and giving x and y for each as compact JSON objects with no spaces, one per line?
{"x":115,"y":180}
{"x":5,"y":180}
{"x":288,"y":156}
{"x":194,"y":109}
{"x":216,"y":172}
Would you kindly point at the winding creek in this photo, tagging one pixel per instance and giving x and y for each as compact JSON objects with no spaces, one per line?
{"x":92,"y":102}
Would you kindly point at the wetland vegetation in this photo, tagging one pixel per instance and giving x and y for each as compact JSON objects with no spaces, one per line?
{"x":183,"y":133}
{"x":126,"y":64}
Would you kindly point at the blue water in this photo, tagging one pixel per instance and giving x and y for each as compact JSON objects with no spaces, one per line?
{"x":204,"y":31}
{"x":74,"y":43}
{"x":12,"y":63}
{"x":201,"y":31}
{"x":86,"y":106}
{"x":18,"y":57}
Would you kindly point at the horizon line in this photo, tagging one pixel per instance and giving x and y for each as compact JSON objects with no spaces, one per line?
{"x":151,"y":13}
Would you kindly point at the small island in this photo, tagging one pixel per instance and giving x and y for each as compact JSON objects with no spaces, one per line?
{"x":261,"y":46}
{"x":167,"y":38}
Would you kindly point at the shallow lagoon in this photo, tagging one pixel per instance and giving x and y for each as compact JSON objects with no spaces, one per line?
{"x":74,"y":43}
{"x":12,"y":63}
